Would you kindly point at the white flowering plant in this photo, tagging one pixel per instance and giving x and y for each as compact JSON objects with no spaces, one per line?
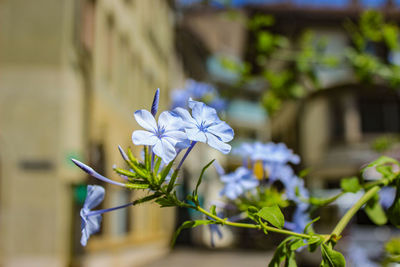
{"x":250,"y":188}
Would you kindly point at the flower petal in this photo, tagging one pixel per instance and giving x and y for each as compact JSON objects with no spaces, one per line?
{"x":94,"y":196}
{"x":89,"y":226}
{"x":141,"y":137}
{"x":169,"y":122}
{"x":214,"y":142}
{"x":164,"y":150}
{"x":201,"y":112}
{"x":185,"y":116}
{"x":195,"y":134}
{"x":222,"y":130}
{"x":178,"y":135}
{"x":146,"y":120}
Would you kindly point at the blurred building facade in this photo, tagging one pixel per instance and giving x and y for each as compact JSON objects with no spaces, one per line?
{"x":332,"y":129}
{"x":72,"y":74}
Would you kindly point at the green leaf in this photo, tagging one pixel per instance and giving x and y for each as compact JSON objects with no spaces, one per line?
{"x":323,"y":201}
{"x":303,"y":173}
{"x":147,"y":160}
{"x":171,"y":183}
{"x":296,"y":244}
{"x":375,"y":211}
{"x":201,"y":177}
{"x":252,"y":213}
{"x":314,"y":242}
{"x":126,"y":172}
{"x":189,"y":224}
{"x":165,"y":172}
{"x":213,"y":211}
{"x":157,"y":164}
{"x":350,"y":185}
{"x":290,"y":259}
{"x":273,"y":215}
{"x":145,"y":199}
{"x":308,"y":225}
{"x":382,"y":160}
{"x":137,"y":186}
{"x":166,"y":202}
{"x":331,"y":258}
{"x":280,"y":253}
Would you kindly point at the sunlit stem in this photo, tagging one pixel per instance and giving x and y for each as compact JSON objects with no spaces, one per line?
{"x":352,"y":211}
{"x":248,"y":225}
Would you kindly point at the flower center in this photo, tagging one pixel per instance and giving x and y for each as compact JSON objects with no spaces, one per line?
{"x":203,"y":126}
{"x":160,"y":132}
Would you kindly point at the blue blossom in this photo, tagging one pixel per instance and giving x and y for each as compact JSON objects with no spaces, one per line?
{"x":281,"y":172}
{"x":91,"y":220}
{"x":205,"y":126}
{"x":280,"y":153}
{"x":179,"y":98}
{"x":387,"y":196}
{"x":163,"y":137}
{"x":91,"y":224}
{"x":269,"y":152}
{"x":95,"y":174}
{"x":300,"y":219}
{"x":244,"y":150}
{"x":214,"y":230}
{"x":238,"y":182}
{"x":199,"y":91}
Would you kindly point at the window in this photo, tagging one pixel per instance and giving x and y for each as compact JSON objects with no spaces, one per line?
{"x":380,"y":112}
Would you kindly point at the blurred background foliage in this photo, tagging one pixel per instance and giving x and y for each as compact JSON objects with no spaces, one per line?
{"x":289,"y":66}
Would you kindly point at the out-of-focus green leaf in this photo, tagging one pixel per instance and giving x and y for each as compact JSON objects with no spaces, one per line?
{"x":350,"y":185}
{"x":273,"y":215}
{"x":375,"y":211}
{"x":331,"y":258}
{"x":189,"y":224}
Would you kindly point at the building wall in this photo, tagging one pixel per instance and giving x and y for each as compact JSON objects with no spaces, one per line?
{"x":68,"y":82}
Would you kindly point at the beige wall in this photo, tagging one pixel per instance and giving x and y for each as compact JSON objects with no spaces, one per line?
{"x":43,"y":100}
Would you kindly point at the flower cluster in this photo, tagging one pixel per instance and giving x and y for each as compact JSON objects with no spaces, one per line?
{"x":273,"y":159}
{"x":199,"y":91}
{"x":163,"y":140}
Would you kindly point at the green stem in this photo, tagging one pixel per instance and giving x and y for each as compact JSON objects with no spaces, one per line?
{"x":282,"y":231}
{"x":352,"y":211}
{"x":253,"y":226}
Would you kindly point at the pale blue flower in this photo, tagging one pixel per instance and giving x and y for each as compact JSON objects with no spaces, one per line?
{"x":269,"y":152}
{"x":163,"y":137}
{"x":214,"y":230}
{"x":386,"y":196}
{"x":205,"y":126}
{"x":244,"y":150}
{"x":199,"y":91}
{"x":279,"y":153}
{"x":95,"y":174}
{"x":276,"y":171}
{"x":91,"y":220}
{"x":91,"y":224}
{"x":238,"y":182}
{"x":179,"y":98}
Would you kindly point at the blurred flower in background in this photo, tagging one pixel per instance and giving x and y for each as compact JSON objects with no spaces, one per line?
{"x":198,"y":91}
